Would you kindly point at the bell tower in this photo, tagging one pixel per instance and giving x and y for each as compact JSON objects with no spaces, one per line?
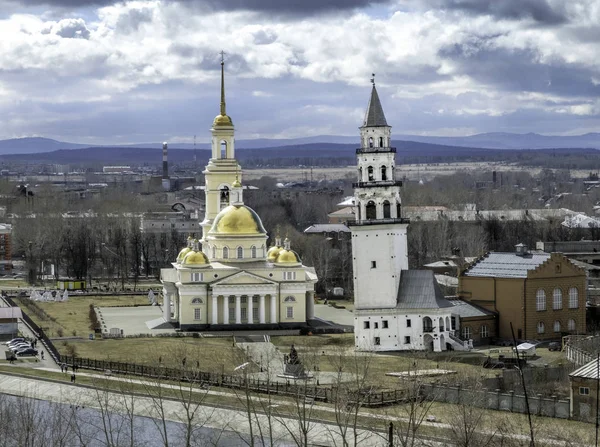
{"x":222,"y":169}
{"x":379,"y":233}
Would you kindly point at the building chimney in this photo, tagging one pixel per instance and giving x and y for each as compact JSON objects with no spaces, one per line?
{"x":166,"y":182}
{"x":520,"y":249}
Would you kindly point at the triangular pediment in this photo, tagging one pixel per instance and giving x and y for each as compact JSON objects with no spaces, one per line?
{"x":242,"y":278}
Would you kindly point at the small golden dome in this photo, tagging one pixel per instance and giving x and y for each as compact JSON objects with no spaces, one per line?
{"x":184,"y":251}
{"x":287,"y":257}
{"x":237,"y":219}
{"x":195,"y":259}
{"x":236,"y":183}
{"x":222,"y":120}
{"x":273,"y":253}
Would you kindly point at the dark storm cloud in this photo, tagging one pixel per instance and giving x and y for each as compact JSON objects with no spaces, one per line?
{"x":539,"y":10}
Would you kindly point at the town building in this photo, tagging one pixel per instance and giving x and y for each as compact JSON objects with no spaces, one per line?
{"x":228,"y":279}
{"x":6,"y":247}
{"x":584,"y":391}
{"x":542,"y":294}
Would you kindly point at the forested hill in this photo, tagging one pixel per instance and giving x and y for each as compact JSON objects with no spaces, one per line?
{"x":313,"y":154}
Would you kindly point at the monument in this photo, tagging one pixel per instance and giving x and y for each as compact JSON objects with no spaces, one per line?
{"x":293,"y":367}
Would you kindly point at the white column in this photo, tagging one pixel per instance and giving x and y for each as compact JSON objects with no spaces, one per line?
{"x":250,"y":309}
{"x":166,"y":305}
{"x":226,"y":310}
{"x":273,"y":309}
{"x":310,"y":306}
{"x":238,"y":309}
{"x":215,"y":310}
{"x":261,"y":310}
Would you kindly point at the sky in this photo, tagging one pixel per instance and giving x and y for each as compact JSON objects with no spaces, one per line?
{"x":105,"y":72}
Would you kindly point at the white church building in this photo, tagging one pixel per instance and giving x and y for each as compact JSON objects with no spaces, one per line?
{"x":395,"y":308}
{"x":227,"y":279}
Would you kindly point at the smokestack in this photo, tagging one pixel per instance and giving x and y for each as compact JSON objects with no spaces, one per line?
{"x":166,"y":183}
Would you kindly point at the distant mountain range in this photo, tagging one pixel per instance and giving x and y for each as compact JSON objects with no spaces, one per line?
{"x":494,"y":140}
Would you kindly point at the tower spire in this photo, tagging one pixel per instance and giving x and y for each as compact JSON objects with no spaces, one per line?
{"x":223,"y":105}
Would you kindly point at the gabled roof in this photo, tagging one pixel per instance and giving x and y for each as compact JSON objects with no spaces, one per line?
{"x":465,"y":309}
{"x":374,"y":116}
{"x":588,"y":371}
{"x":419,"y":290}
{"x":506,"y":265}
{"x":327,"y":228}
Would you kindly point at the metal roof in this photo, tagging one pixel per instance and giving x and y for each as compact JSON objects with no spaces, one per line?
{"x":326,"y":228}
{"x":374,"y":116}
{"x":465,"y":309}
{"x":588,"y":371}
{"x":419,"y":290}
{"x":506,"y":265}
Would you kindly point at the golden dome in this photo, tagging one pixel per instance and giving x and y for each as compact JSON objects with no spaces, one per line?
{"x":195,"y":259}
{"x":222,"y":120}
{"x":237,"y":219}
{"x":273,"y":253}
{"x":236,"y":183}
{"x":288,"y":257}
{"x":184,"y":251}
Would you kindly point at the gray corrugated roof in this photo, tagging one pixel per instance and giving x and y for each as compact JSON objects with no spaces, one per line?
{"x":465,"y":309}
{"x":506,"y":265}
{"x":589,"y":371}
{"x":374,"y":116}
{"x":322,"y":228}
{"x":419,"y":290}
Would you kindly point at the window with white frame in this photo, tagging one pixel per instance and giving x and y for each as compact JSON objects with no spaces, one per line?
{"x":197,"y":301}
{"x":290,"y":276}
{"x":253,"y":252}
{"x":290,"y":312}
{"x":197,"y":314}
{"x":571,"y":325}
{"x":467,"y":332}
{"x":240,"y":253}
{"x":573,"y":298}
{"x":584,"y":390}
{"x":541,"y":327}
{"x":484,"y":331}
{"x":197,"y":277}
{"x":540,"y":300}
{"x":225,"y":253}
{"x":557,"y":301}
{"x":557,"y":326}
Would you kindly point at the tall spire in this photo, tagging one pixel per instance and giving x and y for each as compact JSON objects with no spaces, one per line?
{"x":374,"y":116}
{"x":222,"y":119}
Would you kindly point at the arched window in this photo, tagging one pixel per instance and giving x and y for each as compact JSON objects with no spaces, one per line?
{"x":370,"y":141}
{"x":557,"y":326}
{"x":572,"y":326}
{"x":253,"y":252}
{"x":240,"y":253}
{"x":223,"y":149}
{"x":360,"y":178}
{"x":427,"y":324}
{"x":387,"y":213}
{"x":383,"y":173}
{"x":371,"y":210}
{"x":214,"y":252}
{"x":380,"y":141}
{"x":573,"y":298}
{"x":541,"y":328}
{"x":441,"y":325}
{"x":290,"y":299}
{"x":398,"y":211}
{"x":557,"y":302}
{"x":466,"y":332}
{"x":370,"y":176}
{"x":225,"y":253}
{"x":224,"y":196}
{"x":197,"y":301}
{"x":540,"y":299}
{"x":484,"y":331}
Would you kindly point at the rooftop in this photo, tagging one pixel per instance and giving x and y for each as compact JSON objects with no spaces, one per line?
{"x":419,"y":290}
{"x":506,"y":265}
{"x":587,"y":371}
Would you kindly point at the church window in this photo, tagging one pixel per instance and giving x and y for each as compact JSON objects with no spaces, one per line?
{"x":370,"y":141}
{"x":290,"y":299}
{"x":240,"y":253}
{"x":557,"y":305}
{"x":366,"y":324}
{"x":386,"y":210}
{"x":540,"y":300}
{"x":253,"y":252}
{"x":290,"y":276}
{"x":214,"y":252}
{"x":197,"y":277}
{"x":197,"y":301}
{"x":371,"y":210}
{"x":360,"y":178}
{"x":225,"y":253}
{"x":290,"y":312}
{"x":223,"y":149}
{"x":197,"y":314}
{"x":380,"y":141}
{"x":398,"y":211}
{"x":370,"y":175}
{"x":573,"y":298}
{"x":224,"y":196}
{"x":383,"y":173}
{"x":384,"y":324}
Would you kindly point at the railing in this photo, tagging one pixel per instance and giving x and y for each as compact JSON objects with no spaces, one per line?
{"x":427,"y":329}
{"x":374,"y":150}
{"x":377,"y":183}
{"x":399,"y":220}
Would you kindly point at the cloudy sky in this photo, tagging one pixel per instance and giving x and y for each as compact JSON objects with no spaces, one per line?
{"x":96,"y":71}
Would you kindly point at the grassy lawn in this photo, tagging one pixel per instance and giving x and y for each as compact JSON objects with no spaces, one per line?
{"x":208,"y":354}
{"x":13,"y":283}
{"x":72,"y":318}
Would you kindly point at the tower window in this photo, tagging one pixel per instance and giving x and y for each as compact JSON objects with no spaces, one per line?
{"x":224,"y":196}
{"x":371,"y":210}
{"x":380,"y":141}
{"x":383,"y":173}
{"x":240,"y":253}
{"x":387,"y":210}
{"x":225,"y":253}
{"x":373,"y":264}
{"x":370,"y":141}
{"x":223,"y":149}
{"x":370,"y":173}
{"x":253,"y":252}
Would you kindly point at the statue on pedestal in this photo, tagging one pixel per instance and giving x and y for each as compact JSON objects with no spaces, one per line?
{"x":293,"y":365}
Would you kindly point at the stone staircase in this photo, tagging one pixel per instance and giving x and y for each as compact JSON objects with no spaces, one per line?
{"x":458,"y":344}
